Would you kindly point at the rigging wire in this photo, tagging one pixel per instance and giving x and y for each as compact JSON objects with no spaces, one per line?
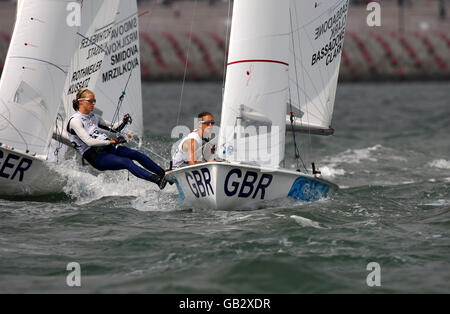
{"x":116,"y":117}
{"x":119,"y":104}
{"x":59,"y":137}
{"x":297,"y":152}
{"x":188,"y":49}
{"x":17,"y":130}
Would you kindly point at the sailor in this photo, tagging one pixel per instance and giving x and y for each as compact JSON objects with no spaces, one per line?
{"x":195,"y":147}
{"x":101,"y":152}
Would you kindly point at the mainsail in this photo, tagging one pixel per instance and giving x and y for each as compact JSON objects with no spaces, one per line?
{"x":256,"y":87}
{"x":93,"y":35}
{"x":34,"y":73}
{"x":120,"y":72}
{"x":317,"y":36}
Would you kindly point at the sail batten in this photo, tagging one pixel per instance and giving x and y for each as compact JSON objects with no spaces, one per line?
{"x":259,"y":60}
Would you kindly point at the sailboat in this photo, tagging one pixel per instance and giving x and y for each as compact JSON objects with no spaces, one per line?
{"x":30,"y":94}
{"x":113,"y":70}
{"x":47,"y":61}
{"x":283,"y":54}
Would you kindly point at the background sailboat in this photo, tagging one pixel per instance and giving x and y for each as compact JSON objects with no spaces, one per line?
{"x":30,"y":93}
{"x":41,"y":72}
{"x":277,"y":49}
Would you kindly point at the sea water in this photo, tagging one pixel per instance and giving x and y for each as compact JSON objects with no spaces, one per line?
{"x":390,"y":155}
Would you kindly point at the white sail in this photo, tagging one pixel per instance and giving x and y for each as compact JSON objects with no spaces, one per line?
{"x":93,"y":35}
{"x":121,"y":69}
{"x":34,"y":73}
{"x":254,"y":104}
{"x":316,"y":41}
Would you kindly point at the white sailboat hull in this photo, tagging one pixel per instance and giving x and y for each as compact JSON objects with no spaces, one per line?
{"x":224,"y":185}
{"x":23,"y":174}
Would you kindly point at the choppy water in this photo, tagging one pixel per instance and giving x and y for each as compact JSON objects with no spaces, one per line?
{"x":390,"y":155}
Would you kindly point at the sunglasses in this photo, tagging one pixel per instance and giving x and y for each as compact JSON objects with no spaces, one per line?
{"x":91,"y":100}
{"x":208,"y":122}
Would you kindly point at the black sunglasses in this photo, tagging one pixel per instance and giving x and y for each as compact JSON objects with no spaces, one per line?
{"x":91,"y":100}
{"x":208,"y":122}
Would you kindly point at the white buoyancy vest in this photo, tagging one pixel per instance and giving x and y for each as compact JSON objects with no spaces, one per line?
{"x":180,"y":158}
{"x":90,"y":123}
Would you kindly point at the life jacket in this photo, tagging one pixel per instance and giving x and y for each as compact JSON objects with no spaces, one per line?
{"x":90,"y":124}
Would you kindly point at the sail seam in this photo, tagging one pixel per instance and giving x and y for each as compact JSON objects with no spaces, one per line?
{"x":259,"y":60}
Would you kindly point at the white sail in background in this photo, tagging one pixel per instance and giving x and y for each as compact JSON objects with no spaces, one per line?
{"x":317,"y":37}
{"x":122,"y":59}
{"x":254,"y":104}
{"x":34,"y":73}
{"x":93,"y":35}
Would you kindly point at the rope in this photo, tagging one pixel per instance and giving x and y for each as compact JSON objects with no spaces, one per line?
{"x":58,"y":136}
{"x":147,"y":150}
{"x":18,"y":132}
{"x":119,"y":104}
{"x":186,"y":62}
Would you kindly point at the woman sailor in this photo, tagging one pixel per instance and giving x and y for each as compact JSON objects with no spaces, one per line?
{"x":102,"y":153}
{"x":192,"y":150}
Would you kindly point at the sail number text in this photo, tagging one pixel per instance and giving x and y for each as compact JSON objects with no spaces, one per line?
{"x":13,"y":166}
{"x":243,"y":184}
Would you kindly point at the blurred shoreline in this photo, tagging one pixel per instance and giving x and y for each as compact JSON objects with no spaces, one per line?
{"x":416,"y":49}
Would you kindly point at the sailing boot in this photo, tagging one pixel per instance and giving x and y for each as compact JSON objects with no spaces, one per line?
{"x":160,"y":181}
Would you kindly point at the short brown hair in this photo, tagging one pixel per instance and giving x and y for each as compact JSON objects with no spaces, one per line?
{"x":204,"y":113}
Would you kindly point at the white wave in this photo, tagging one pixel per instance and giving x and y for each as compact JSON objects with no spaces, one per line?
{"x":285,"y":242}
{"x":86,"y":187}
{"x":331,"y":172}
{"x":440,"y":163}
{"x":305,"y":222}
{"x":439,"y":203}
{"x":355,"y":155}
